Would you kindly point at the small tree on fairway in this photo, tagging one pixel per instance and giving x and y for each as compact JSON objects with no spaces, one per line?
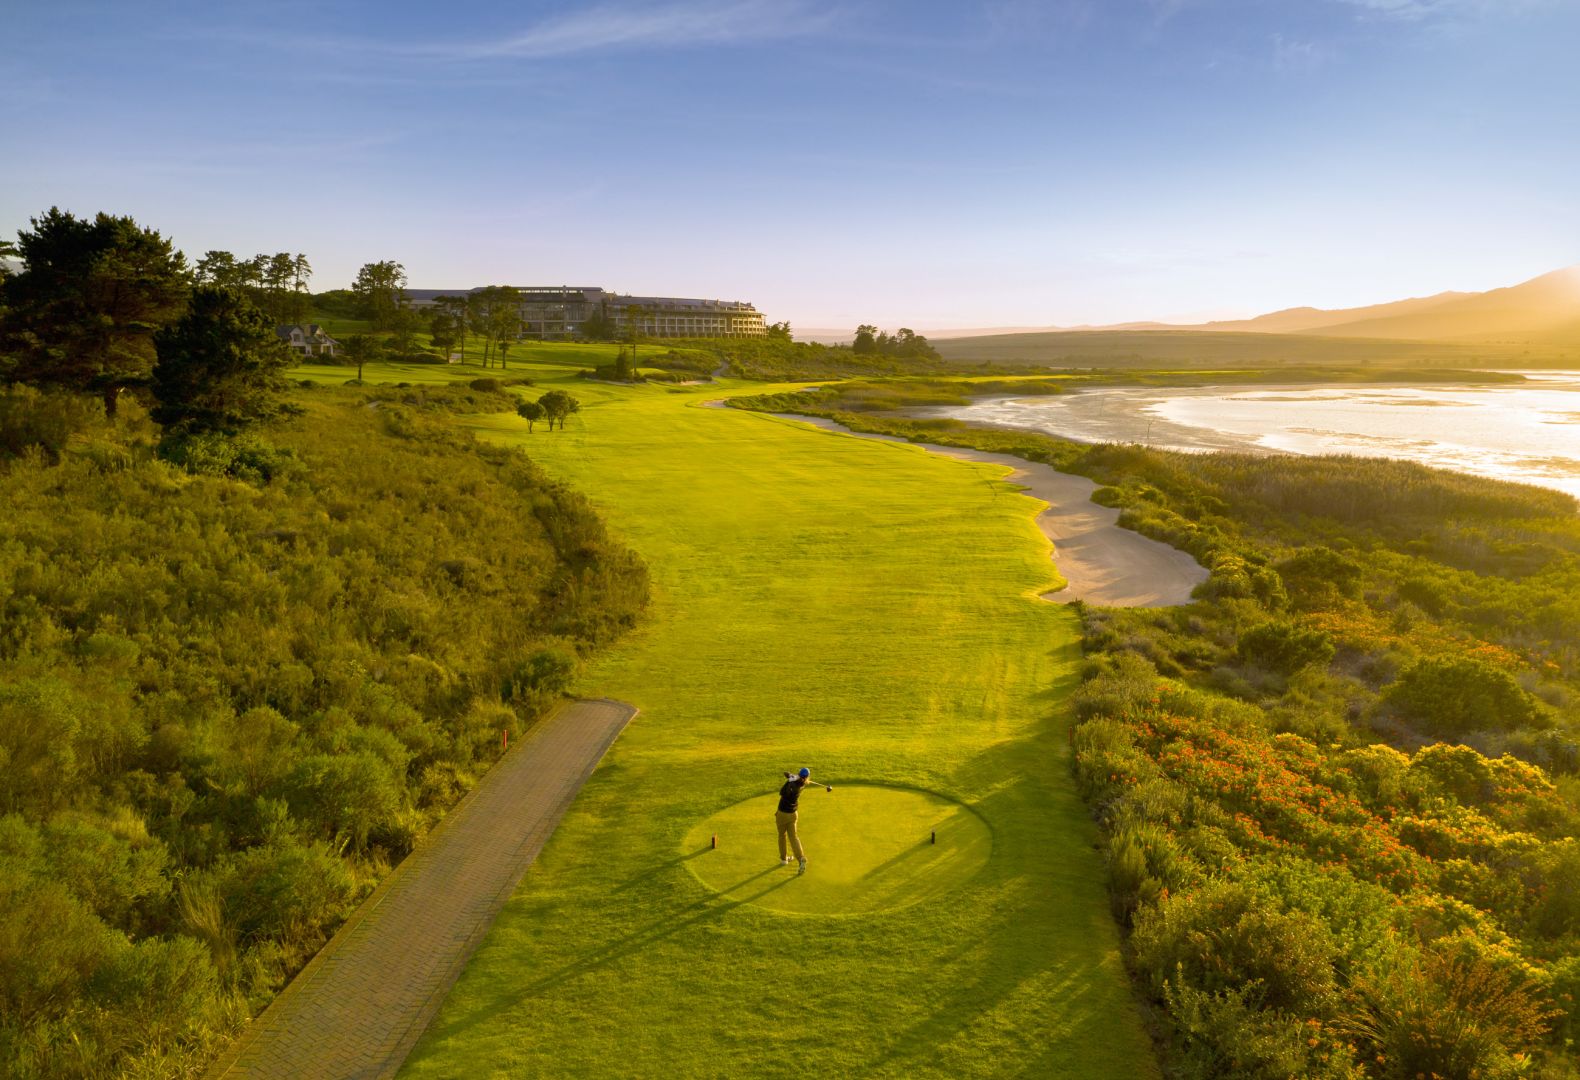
{"x":455,"y":308}
{"x":636,"y":317}
{"x":598,"y":326}
{"x":219,"y":368}
{"x":504,"y":349}
{"x":531,"y":412}
{"x":403,"y":329}
{"x":359,"y":349}
{"x":443,"y":332}
{"x":496,"y":314}
{"x":557,"y":405}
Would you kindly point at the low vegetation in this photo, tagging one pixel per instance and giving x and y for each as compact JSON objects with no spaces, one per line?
{"x":238,"y":687}
{"x":1339,"y":789}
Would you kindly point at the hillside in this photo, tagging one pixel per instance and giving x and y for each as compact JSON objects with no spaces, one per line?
{"x":1199,"y":349}
{"x":1311,"y":320}
{"x":1534,"y":323}
{"x":1545,"y":309}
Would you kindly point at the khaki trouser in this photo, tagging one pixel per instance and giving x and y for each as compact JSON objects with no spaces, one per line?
{"x":787,"y":832}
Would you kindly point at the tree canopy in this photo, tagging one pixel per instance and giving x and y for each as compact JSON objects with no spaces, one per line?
{"x":870,"y":341}
{"x":380,"y":289}
{"x":557,"y":405}
{"x":531,"y":412}
{"x":83,"y":311}
{"x":220,"y":367}
{"x":275,"y":283}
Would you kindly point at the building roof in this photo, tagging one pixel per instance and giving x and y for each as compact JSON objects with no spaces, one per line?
{"x":582,"y":294}
{"x":309,"y":330}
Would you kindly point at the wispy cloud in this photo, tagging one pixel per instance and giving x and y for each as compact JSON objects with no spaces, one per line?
{"x":620,"y":25}
{"x":642,"y":26}
{"x":1291,"y":54}
{"x":1419,"y":10}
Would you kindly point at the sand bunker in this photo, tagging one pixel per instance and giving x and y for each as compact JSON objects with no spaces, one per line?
{"x":1101,"y":562}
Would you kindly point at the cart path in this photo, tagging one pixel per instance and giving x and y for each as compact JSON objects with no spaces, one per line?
{"x":357,"y":1009}
{"x":1101,"y":562}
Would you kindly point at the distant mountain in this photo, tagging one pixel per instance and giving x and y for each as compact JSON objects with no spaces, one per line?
{"x":1310,"y":320}
{"x":1542,"y":309}
{"x":1546,"y":308}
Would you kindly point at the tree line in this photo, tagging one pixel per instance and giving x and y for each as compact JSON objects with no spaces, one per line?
{"x":904,"y":343}
{"x":276,"y":284}
{"x":103,"y":306}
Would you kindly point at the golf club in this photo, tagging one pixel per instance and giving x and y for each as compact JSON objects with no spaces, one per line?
{"x":826,"y":787}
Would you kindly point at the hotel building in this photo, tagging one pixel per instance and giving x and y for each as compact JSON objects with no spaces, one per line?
{"x":557,"y":313}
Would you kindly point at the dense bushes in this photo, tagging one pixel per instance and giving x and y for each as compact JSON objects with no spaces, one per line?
{"x":231,"y":696}
{"x":1285,"y":648}
{"x":1455,"y":695}
{"x":42,"y":420}
{"x":1311,"y":911}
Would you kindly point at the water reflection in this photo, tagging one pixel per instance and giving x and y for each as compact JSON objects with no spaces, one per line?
{"x":1529,"y":433}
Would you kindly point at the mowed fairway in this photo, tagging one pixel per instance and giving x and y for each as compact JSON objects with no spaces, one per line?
{"x":865,"y":609}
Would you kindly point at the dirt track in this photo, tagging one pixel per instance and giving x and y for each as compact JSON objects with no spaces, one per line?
{"x":360,"y":1005}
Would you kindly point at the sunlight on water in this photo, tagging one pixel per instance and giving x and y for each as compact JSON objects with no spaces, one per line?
{"x":1529,"y":433}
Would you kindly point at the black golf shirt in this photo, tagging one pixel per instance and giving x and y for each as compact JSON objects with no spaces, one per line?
{"x":790,"y":794}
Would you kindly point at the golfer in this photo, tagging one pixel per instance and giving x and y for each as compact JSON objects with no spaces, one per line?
{"x":785,"y":816}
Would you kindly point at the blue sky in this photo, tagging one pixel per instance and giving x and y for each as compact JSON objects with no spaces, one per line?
{"x":928,"y":164}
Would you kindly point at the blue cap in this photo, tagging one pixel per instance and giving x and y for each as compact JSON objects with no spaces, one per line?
{"x":804,"y":773}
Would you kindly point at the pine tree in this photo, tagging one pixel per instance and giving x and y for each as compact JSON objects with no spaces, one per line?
{"x":91,"y":295}
{"x":220,"y":368}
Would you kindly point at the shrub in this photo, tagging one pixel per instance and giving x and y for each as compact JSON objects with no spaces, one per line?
{"x":45,"y":419}
{"x":1228,"y":937}
{"x":238,"y":457}
{"x":487,"y":386}
{"x":1454,"y":695}
{"x":1283,"y":648}
{"x":541,"y":678}
{"x":1225,"y":1034}
{"x":1319,"y":575}
{"x":1446,"y":1015}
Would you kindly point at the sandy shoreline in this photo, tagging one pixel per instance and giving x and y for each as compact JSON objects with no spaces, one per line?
{"x":1101,"y":562}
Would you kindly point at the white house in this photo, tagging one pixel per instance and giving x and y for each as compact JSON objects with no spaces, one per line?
{"x":307,"y":339}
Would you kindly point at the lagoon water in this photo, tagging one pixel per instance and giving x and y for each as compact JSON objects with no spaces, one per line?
{"x":1527,"y":432}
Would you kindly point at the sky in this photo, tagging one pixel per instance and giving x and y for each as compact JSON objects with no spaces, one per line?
{"x":901,"y":162}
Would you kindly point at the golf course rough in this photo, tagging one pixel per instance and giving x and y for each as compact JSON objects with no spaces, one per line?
{"x":865,"y":609}
{"x":869,"y":848}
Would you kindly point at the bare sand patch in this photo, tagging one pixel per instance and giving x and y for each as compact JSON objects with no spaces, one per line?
{"x":1101,"y":562}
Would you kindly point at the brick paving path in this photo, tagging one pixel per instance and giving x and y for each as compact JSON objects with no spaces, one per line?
{"x":360,"y":1005}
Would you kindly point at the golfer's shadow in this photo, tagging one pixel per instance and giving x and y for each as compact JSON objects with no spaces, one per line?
{"x":893,"y":862}
{"x":662,"y":867}
{"x":712,"y":907}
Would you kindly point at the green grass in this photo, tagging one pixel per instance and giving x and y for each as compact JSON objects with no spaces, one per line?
{"x":868,"y":610}
{"x":872,"y":849}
